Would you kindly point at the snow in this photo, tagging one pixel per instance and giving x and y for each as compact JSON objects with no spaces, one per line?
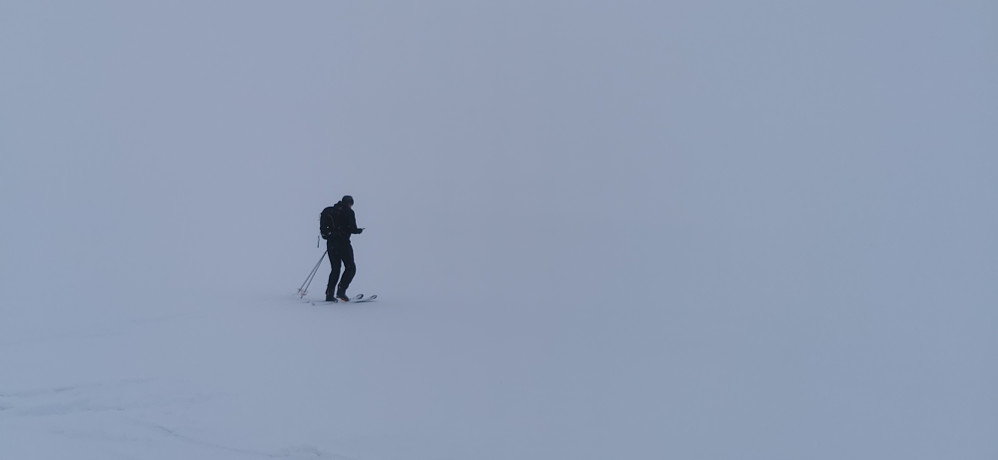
{"x":616,"y":230}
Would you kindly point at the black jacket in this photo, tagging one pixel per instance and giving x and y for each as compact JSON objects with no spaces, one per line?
{"x":346,"y":222}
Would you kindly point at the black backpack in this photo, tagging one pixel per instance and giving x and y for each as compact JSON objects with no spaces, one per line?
{"x":327,"y":221}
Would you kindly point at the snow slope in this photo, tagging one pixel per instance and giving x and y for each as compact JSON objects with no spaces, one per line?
{"x":700,"y":230}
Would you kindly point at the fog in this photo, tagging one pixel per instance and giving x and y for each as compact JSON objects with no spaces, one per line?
{"x":597,"y":229}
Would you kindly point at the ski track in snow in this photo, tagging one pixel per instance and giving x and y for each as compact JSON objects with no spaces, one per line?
{"x":298,"y":452}
{"x":94,"y":400}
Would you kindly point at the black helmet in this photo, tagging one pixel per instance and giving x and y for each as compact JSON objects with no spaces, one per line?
{"x":347,"y":199}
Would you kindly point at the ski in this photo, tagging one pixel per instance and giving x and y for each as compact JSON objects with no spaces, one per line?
{"x":366,"y":299}
{"x":356,"y":298}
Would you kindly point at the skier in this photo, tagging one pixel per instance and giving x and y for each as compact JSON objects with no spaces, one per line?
{"x":340,"y":250}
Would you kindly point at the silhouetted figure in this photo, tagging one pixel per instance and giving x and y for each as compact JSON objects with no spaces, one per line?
{"x":337,"y":223}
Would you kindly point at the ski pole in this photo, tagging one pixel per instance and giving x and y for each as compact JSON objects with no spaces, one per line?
{"x":303,"y":290}
{"x":314,"y":270}
{"x":308,"y":280}
{"x":311,"y":276}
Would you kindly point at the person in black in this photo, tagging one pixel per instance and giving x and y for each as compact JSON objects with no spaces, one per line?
{"x":341,"y":251}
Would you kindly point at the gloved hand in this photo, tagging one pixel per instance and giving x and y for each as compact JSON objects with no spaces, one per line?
{"x":360,"y":230}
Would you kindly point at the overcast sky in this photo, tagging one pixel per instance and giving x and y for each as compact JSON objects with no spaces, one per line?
{"x":830,"y":126}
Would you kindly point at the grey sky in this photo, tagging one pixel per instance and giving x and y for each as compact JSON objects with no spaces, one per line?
{"x":798,"y":195}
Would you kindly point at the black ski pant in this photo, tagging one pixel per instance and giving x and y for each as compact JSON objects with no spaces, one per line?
{"x":340,"y":252}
